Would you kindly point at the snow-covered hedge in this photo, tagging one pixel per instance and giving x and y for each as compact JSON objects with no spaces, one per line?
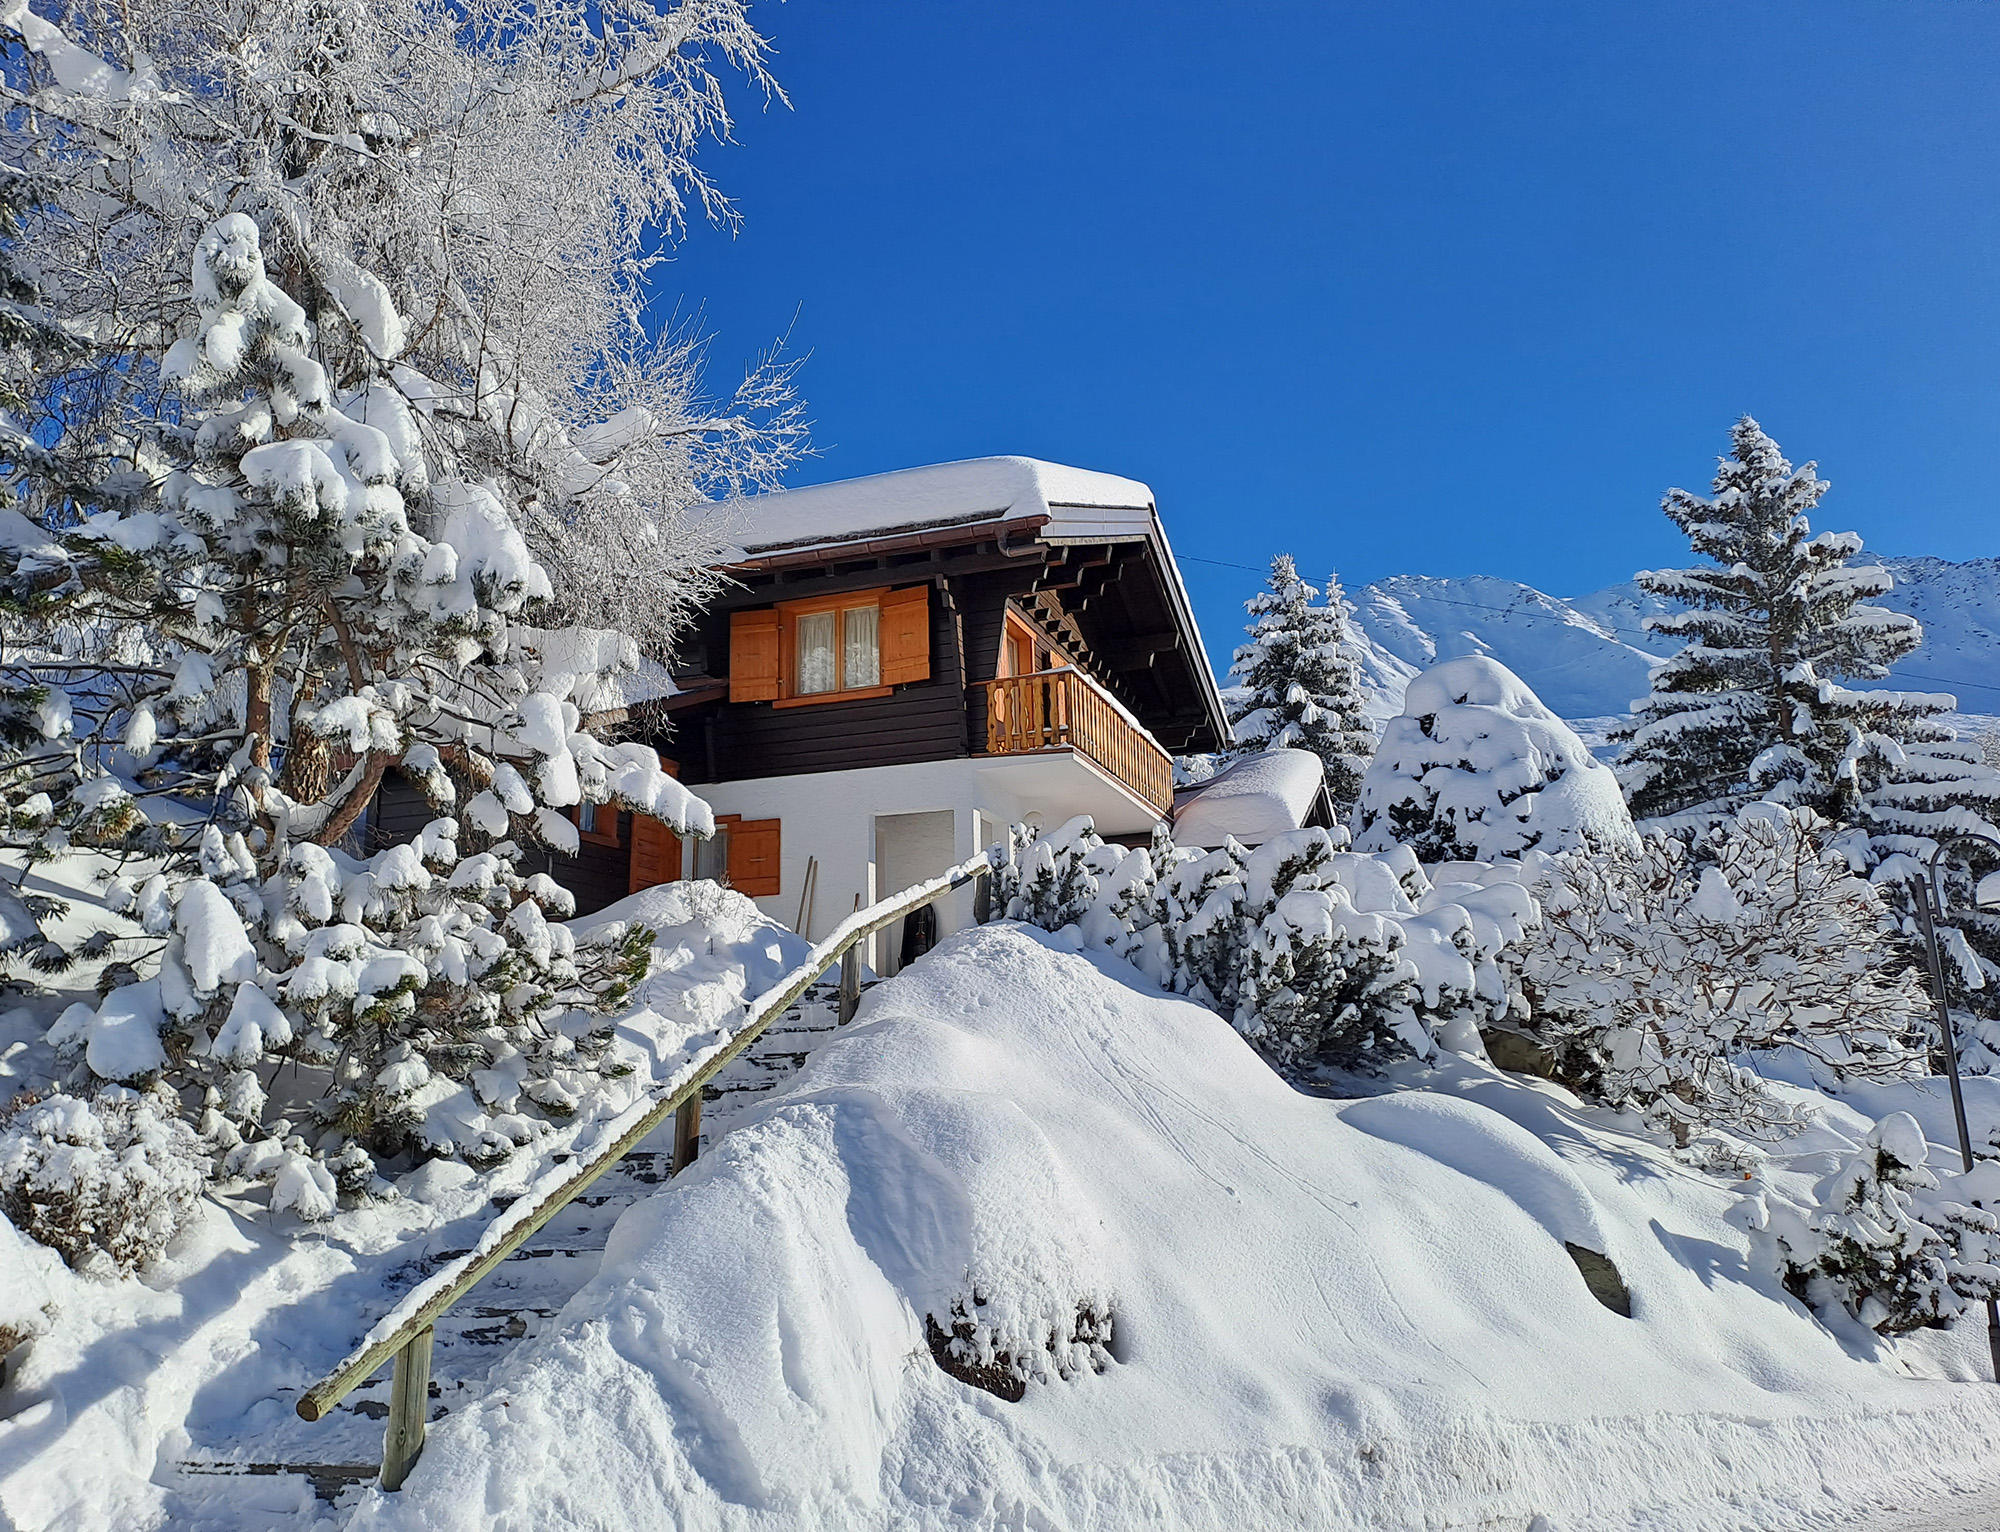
{"x":1653,"y":971}
{"x":106,"y":1181}
{"x":1476,"y":769}
{"x":1313,"y":951}
{"x":1897,"y":1243}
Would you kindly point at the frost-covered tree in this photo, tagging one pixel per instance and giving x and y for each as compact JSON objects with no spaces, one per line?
{"x":1476,"y":768}
{"x":270,"y":637}
{"x":1300,"y":683}
{"x":468,"y":202}
{"x":1654,"y":971}
{"x":1751,"y":706}
{"x":1887,"y":1238}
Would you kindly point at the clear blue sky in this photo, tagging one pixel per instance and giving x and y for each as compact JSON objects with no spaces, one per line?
{"x":1442,"y":288}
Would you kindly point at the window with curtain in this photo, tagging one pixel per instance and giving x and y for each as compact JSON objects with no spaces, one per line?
{"x":818,"y":663}
{"x":861,"y":647}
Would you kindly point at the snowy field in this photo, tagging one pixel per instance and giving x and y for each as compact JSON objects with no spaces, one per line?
{"x":1323,"y":1312}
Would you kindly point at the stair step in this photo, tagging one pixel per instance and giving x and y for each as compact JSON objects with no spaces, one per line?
{"x":328,"y":1480}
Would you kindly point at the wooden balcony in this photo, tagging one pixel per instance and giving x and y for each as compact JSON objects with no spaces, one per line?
{"x":1064,"y":709}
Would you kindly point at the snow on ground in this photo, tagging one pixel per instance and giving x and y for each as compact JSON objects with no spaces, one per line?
{"x":1326,"y":1313}
{"x":204,"y":1356}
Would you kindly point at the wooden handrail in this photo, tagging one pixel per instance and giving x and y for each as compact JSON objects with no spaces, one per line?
{"x":405,"y":1331}
{"x":1064,"y":708}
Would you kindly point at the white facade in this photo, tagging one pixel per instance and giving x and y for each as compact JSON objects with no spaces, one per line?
{"x":879,"y":829}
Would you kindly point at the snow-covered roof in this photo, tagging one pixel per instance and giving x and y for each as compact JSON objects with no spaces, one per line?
{"x":1078,"y":503}
{"x":1080,"y":506}
{"x":1260,"y":796}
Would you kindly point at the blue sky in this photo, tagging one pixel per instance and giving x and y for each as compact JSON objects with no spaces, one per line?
{"x":1441,"y":288}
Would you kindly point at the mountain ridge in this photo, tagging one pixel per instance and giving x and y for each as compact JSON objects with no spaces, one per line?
{"x":1588,"y":657}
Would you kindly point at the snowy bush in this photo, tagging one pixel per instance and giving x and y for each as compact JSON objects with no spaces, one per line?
{"x":107,"y":1181}
{"x":1654,"y":971}
{"x":1477,"y":769}
{"x":1003,"y":1354}
{"x":1315,"y":953}
{"x":1886,"y":1238}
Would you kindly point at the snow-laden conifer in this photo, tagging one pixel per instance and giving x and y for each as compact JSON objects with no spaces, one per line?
{"x":270,"y":638}
{"x":1751,"y":707}
{"x":1299,"y":681}
{"x":1476,"y":769}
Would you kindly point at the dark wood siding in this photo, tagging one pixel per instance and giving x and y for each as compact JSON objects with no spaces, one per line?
{"x":925,"y":721}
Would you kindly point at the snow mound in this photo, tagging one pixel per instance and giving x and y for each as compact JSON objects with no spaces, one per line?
{"x":1260,"y":796}
{"x":1477,"y":769}
{"x":1325,"y":1313}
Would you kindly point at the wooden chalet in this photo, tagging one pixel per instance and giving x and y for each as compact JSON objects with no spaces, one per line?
{"x":905,"y":664}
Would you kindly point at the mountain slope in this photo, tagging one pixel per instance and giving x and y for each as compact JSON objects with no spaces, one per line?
{"x":1588,"y":657}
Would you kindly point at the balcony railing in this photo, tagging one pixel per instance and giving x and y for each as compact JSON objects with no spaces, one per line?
{"x":1053,"y":709}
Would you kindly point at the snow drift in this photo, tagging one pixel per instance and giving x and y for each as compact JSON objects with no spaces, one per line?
{"x":1324,"y":1313}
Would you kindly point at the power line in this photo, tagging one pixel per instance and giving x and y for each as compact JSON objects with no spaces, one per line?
{"x":1628,"y":633}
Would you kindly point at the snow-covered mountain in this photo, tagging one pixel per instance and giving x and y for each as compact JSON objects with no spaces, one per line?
{"x":1588,"y":657}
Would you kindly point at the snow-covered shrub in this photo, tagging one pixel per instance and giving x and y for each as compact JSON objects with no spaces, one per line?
{"x":1477,"y":769}
{"x":1315,"y":953}
{"x":1003,"y":1354}
{"x":1654,"y":970}
{"x":1887,"y":1238}
{"x":106,"y":1180}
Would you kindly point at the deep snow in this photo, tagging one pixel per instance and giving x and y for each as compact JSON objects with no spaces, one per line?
{"x":1327,"y":1313}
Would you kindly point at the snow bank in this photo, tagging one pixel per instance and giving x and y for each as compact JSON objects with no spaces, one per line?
{"x":1256,"y":798}
{"x":1324,"y":1313}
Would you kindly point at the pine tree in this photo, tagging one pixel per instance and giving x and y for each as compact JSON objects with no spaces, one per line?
{"x":1302,"y":684}
{"x":1750,"y":707}
{"x":271,"y":634}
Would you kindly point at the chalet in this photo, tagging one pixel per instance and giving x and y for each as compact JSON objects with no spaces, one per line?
{"x":905,"y":664}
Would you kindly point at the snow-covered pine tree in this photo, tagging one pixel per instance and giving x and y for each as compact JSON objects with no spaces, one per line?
{"x":273,"y":635}
{"x":1476,"y":768}
{"x":1750,"y":707}
{"x":1301,"y":685}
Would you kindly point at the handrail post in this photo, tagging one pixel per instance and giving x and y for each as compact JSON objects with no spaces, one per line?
{"x":850,"y":983}
{"x":409,"y":1404}
{"x":687,"y":1133}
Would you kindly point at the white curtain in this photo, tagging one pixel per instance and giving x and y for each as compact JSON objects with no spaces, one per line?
{"x":862,"y":651}
{"x":817,"y":672}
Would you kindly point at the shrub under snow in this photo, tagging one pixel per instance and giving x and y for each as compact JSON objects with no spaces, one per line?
{"x":1887,"y":1237}
{"x":1312,"y":951}
{"x":1476,"y":769}
{"x":107,"y":1181}
{"x":1654,"y":970}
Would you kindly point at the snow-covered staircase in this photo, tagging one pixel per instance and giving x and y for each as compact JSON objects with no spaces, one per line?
{"x":287,"y":1458}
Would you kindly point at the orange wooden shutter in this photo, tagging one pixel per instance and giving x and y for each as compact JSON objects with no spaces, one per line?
{"x":753,"y":656}
{"x":753,"y":857}
{"x":906,"y":635}
{"x":656,"y":853}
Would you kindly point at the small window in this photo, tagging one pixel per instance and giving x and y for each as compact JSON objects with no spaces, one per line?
{"x":818,"y":666}
{"x":830,"y":648}
{"x":598,"y":823}
{"x":861,"y":647}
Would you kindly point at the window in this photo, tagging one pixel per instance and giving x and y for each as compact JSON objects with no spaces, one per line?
{"x":598,"y":823}
{"x":830,"y":648}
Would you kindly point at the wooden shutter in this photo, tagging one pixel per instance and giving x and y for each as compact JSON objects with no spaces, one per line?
{"x":753,"y":857}
{"x":656,"y":853}
{"x":906,"y":635}
{"x":753,"y":656}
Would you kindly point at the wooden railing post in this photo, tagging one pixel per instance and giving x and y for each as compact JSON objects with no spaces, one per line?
{"x":850,"y":983}
{"x":409,"y":1404}
{"x":687,"y":1133}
